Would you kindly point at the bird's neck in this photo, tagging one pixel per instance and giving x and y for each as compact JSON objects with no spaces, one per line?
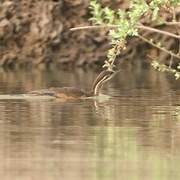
{"x":97,"y":85}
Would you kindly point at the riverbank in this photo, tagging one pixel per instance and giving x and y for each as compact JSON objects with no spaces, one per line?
{"x":38,"y":32}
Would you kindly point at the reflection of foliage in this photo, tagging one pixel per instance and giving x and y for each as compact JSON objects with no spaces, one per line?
{"x":123,"y":24}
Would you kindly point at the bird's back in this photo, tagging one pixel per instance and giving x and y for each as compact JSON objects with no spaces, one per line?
{"x":61,"y":92}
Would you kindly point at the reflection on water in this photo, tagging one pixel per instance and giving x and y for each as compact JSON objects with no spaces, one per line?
{"x":133,"y":135}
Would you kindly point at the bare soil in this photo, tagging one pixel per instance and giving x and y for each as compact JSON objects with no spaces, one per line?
{"x":34,"y":32}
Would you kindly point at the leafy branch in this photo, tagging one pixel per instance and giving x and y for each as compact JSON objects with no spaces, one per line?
{"x":122,"y":24}
{"x":164,"y":68}
{"x":159,"y":46}
{"x":138,"y":26}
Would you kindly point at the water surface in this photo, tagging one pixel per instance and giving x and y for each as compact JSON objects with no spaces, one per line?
{"x":134,"y":134}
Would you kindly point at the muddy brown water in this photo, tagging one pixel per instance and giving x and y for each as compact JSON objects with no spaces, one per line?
{"x":133,"y":133}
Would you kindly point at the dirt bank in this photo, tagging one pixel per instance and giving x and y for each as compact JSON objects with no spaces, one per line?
{"x":37,"y":32}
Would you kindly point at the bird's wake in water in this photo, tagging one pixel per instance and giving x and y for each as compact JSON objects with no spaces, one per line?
{"x":100,"y":97}
{"x":23,"y":96}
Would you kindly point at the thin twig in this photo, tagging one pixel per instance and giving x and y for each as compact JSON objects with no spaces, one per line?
{"x":158,"y":31}
{"x":116,"y":26}
{"x":161,"y":48}
{"x":94,"y":27}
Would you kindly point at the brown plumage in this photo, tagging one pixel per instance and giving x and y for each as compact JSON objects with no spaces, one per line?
{"x":74,"y":93}
{"x":61,"y":92}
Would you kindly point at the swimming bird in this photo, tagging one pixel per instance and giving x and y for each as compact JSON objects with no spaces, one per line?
{"x":75,"y":93}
